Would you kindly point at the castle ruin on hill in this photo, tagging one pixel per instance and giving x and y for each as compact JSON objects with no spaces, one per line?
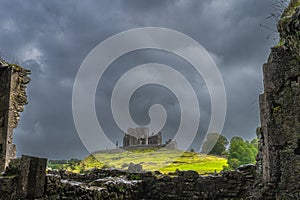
{"x":276,"y":174}
{"x":141,"y":136}
{"x":138,"y":138}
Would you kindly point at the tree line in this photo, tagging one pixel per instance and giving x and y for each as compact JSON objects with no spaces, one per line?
{"x":239,"y":152}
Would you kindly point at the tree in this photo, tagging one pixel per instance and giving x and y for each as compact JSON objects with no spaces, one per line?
{"x":215,"y":144}
{"x":242,"y":152}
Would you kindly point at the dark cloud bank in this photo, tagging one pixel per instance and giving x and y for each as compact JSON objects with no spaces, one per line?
{"x":53,"y":37}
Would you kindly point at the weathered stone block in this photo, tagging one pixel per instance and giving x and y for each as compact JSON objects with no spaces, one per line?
{"x":31,"y":178}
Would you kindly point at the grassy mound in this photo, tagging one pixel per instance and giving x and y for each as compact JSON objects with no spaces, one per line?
{"x":164,"y":161}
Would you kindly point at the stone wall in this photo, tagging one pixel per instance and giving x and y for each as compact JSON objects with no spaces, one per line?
{"x":155,"y":139}
{"x":190,"y":185}
{"x":7,"y":187}
{"x":13,"y":80}
{"x":279,"y":150}
{"x":25,"y":178}
{"x":141,"y":136}
{"x":31,"y":177}
{"x":114,"y":184}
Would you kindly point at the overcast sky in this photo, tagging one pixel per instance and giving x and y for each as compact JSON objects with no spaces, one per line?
{"x":52,"y":38}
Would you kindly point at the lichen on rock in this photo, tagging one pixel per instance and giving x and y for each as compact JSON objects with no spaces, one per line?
{"x":289,"y":27}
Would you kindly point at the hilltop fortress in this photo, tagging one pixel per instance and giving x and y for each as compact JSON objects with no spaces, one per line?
{"x":140,"y":138}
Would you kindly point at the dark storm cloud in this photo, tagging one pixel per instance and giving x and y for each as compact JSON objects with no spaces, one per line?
{"x":144,"y":5}
{"x":149,"y":95}
{"x":53,"y":37}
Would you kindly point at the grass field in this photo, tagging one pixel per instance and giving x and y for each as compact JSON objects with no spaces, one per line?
{"x":164,"y":161}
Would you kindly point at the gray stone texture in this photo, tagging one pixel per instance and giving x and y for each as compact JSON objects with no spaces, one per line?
{"x":278,"y":161}
{"x":31,"y":177}
{"x":114,"y":184}
{"x":140,"y":136}
{"x":13,"y":80}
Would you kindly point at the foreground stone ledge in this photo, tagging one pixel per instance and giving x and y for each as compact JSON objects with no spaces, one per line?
{"x":118,"y":184}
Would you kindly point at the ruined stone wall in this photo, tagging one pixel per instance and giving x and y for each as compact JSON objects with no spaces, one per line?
{"x":24,"y":178}
{"x":140,"y":136}
{"x":114,"y":184}
{"x":279,"y":149}
{"x":129,"y":140}
{"x":155,"y":139}
{"x":140,"y":132}
{"x":13,"y":80}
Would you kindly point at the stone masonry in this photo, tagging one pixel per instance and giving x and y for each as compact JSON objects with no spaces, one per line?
{"x":31,"y":177}
{"x":141,"y":136}
{"x":278,"y":172}
{"x":13,"y":80}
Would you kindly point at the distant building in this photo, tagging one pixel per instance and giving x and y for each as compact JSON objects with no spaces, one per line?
{"x":140,"y":137}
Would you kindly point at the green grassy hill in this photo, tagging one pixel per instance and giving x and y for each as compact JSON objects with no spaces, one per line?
{"x":163,"y":160}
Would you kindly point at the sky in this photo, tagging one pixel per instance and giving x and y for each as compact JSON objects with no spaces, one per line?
{"x":52,"y":38}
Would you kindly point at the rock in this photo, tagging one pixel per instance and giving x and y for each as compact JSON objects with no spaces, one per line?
{"x":247,"y":167}
{"x":31,"y":177}
{"x":278,"y":162}
{"x":188,"y":174}
{"x":135,"y":168}
{"x":13,"y":167}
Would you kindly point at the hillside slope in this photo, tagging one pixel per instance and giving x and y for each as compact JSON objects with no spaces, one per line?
{"x":164,"y":161}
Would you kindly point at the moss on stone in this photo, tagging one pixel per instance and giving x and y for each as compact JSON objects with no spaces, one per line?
{"x":288,"y":27}
{"x":276,"y":109}
{"x":290,"y":10}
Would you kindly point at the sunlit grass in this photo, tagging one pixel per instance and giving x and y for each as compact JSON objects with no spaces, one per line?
{"x":164,"y":161}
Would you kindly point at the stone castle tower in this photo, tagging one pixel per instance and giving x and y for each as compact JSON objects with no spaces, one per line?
{"x":13,"y":80}
{"x":141,"y":136}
